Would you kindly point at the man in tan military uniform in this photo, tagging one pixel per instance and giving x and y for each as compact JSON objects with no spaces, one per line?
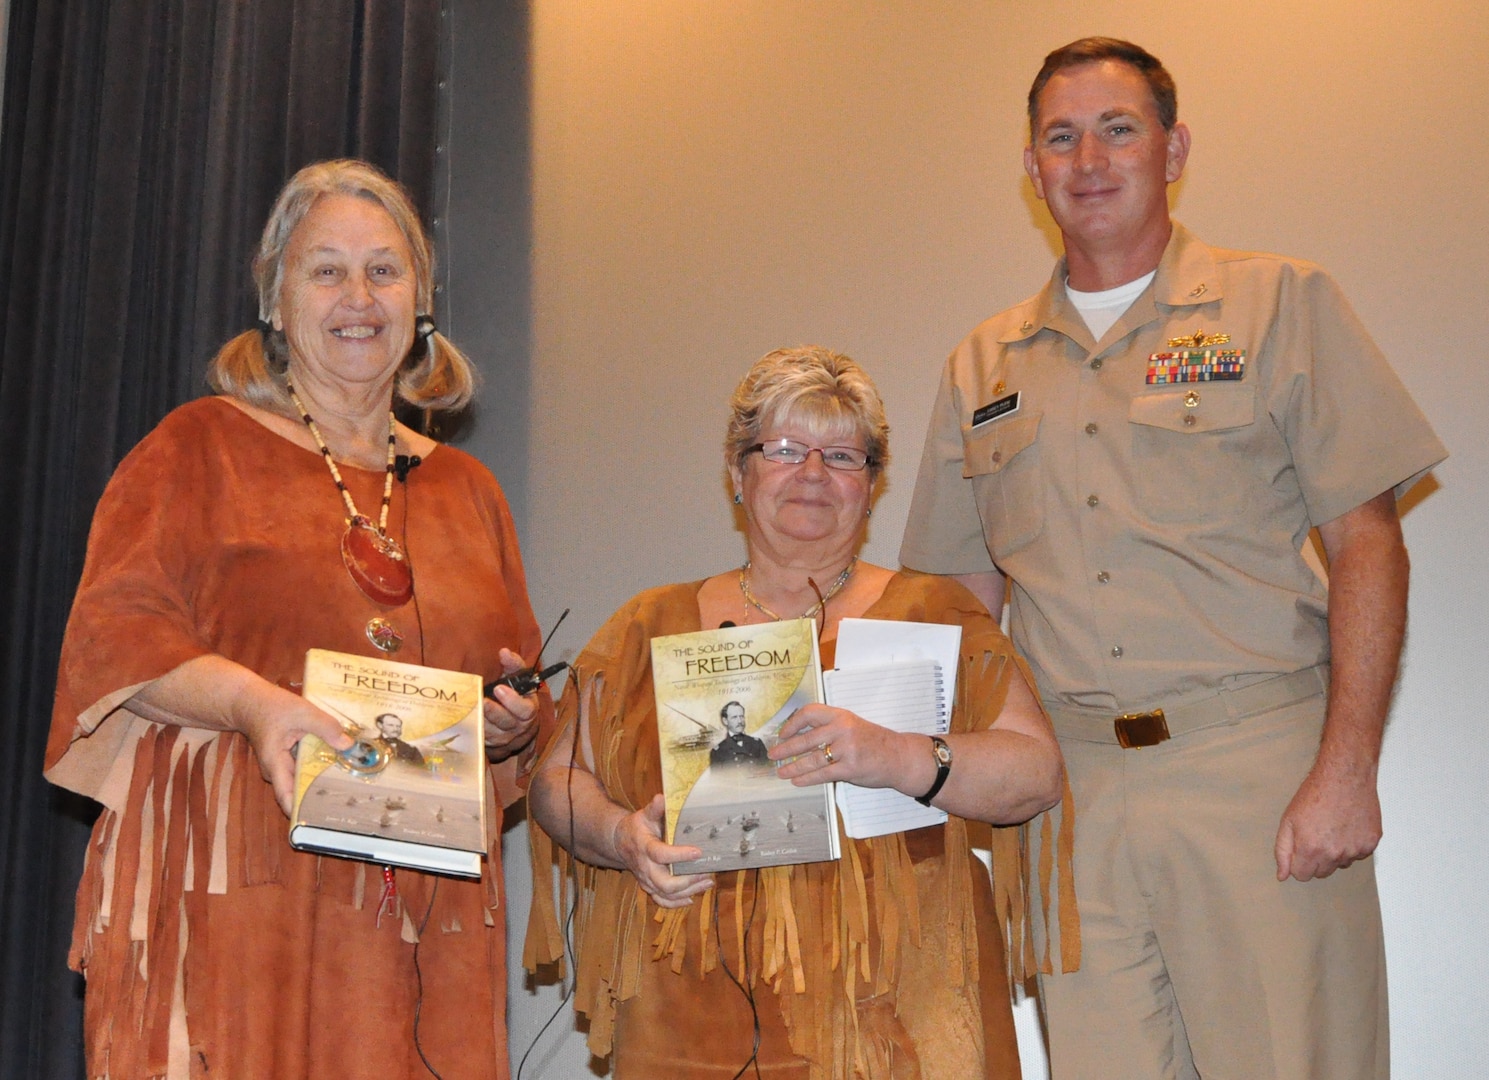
{"x":1142,"y":449}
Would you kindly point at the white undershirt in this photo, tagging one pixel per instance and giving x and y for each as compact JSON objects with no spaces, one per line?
{"x":1102,"y":309}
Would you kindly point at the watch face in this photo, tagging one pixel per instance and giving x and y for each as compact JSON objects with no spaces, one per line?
{"x":943,"y":752}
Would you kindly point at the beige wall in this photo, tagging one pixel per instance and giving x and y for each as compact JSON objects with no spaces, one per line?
{"x":713,"y":178}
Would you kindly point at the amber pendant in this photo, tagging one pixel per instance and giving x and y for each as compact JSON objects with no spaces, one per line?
{"x":376,"y":563}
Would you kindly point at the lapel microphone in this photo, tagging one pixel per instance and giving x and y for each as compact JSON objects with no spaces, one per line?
{"x":404,"y":464}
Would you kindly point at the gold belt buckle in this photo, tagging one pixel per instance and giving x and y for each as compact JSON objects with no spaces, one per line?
{"x":1141,"y":729}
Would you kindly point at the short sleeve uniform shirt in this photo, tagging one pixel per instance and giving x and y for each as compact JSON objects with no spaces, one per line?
{"x":1149,"y":494}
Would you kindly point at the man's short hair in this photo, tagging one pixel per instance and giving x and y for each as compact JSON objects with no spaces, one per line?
{"x":1093,"y":50}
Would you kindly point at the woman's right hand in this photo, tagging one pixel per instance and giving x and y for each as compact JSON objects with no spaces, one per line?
{"x":275,"y":727}
{"x":637,"y":839}
{"x":218,"y":694}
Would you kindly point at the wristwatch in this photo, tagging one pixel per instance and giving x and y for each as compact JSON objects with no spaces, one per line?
{"x":943,"y":769}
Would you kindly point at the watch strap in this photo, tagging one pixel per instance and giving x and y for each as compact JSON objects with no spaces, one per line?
{"x":943,"y":769}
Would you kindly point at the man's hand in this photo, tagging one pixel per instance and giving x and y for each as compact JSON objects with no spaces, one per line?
{"x":1331,"y":822}
{"x":1334,"y":818}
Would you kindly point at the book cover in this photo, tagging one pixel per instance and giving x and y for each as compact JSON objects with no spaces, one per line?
{"x":412,"y":791}
{"x":722,"y":696}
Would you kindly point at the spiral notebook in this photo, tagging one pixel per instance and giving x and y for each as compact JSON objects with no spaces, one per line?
{"x":902,"y":676}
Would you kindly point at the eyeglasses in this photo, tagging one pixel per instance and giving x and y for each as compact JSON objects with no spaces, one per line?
{"x":791,"y":452}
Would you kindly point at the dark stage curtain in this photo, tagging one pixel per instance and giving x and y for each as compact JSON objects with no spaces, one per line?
{"x":141,"y":147}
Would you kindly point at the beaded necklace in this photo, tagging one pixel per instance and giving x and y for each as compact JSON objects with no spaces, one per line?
{"x":373,"y":558}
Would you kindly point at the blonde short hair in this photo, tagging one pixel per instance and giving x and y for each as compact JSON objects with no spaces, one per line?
{"x":810,"y":383}
{"x":436,"y":375}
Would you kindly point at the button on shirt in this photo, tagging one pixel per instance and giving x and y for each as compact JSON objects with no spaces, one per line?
{"x":1153,"y":530}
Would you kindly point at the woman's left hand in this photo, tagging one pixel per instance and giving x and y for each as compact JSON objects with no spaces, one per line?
{"x":835,"y":744}
{"x":511,"y":719}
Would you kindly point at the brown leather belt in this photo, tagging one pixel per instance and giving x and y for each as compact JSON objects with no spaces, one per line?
{"x":1137,"y":730}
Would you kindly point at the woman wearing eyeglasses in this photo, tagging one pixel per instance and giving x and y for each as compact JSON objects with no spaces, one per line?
{"x":900,"y":970}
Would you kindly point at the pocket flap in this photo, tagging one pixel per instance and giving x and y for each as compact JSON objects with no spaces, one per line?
{"x":992,"y":450}
{"x":1215,"y":408}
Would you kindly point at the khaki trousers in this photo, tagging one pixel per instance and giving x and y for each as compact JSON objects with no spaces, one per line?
{"x":1196,"y":961}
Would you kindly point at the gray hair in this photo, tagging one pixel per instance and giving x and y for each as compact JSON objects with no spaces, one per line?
{"x":436,"y":375}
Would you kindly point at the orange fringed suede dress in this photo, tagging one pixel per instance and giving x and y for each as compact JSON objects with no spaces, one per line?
{"x":886,"y":965}
{"x":210,"y":947}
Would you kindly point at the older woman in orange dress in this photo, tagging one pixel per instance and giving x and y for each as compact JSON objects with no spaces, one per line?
{"x":889,"y":963}
{"x":291,"y":511}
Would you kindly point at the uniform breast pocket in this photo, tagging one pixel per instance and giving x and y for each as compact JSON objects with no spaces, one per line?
{"x":1194,"y":452}
{"x":1002,"y":461}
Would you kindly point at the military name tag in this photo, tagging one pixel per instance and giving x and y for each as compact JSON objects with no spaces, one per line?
{"x":1196,"y":365}
{"x":1004,"y":406}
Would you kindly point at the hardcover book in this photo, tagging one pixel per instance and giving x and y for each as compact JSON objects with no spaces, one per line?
{"x":722,"y":697}
{"x":412,"y":790}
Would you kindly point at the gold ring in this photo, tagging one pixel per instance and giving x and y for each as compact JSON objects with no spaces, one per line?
{"x":827,"y":753}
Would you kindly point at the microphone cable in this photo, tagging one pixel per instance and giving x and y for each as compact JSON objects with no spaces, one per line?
{"x":566,"y":988}
{"x":419,"y":981}
{"x":747,"y":987}
{"x":434,"y":892}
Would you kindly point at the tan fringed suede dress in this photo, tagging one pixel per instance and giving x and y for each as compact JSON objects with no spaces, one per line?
{"x":211,"y":949}
{"x":886,"y":965}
